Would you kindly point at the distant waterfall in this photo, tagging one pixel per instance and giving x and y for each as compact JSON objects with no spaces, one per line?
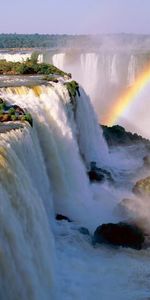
{"x":131,"y":70}
{"x":27,"y":268}
{"x":40,"y":58}
{"x":113,"y":69}
{"x":103,"y":74}
{"x":58,"y":60}
{"x":89,"y":69}
{"x":15,"y":57}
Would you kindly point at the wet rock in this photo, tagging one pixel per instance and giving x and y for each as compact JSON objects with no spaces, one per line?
{"x":120,"y":234}
{"x":60,"y":217}
{"x":98,"y":174}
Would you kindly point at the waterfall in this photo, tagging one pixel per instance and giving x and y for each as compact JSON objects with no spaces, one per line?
{"x":113,"y":69}
{"x":15,"y":57}
{"x":89,"y":71}
{"x":131,"y":70}
{"x":58,"y":60}
{"x":27,"y":269}
{"x":90,"y":136}
{"x":43,"y":172}
{"x":56,"y":133}
{"x":40,"y":58}
{"x":103,"y":74}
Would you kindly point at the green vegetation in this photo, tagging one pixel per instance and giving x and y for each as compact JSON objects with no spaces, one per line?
{"x":41,"y":40}
{"x":29,"y":67}
{"x":27,"y":117}
{"x":2,"y":106}
{"x":117,"y":135}
{"x":50,"y":78}
{"x":13,"y":113}
{"x":73,"y":88}
{"x":34,"y":57}
{"x":13,"y":117}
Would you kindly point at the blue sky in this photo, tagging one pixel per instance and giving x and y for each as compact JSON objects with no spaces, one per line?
{"x":75,"y":17}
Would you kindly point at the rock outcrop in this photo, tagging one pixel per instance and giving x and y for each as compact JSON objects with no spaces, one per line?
{"x":60,"y":217}
{"x":118,"y":136}
{"x":98,"y":174}
{"x":120,"y":234}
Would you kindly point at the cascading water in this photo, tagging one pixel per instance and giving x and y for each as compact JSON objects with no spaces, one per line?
{"x":42,"y":168}
{"x":113,"y":69}
{"x":131,"y":70}
{"x":103,"y":75}
{"x":40,"y":58}
{"x":50,"y":107}
{"x":92,"y":145}
{"x":58,"y":60}
{"x":15,"y":57}
{"x":89,"y":69}
{"x":27,"y":268}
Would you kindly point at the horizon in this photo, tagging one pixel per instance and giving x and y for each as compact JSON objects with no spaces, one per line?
{"x":77,"y":34}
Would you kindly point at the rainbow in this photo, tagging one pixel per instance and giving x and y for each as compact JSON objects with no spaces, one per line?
{"x":127,"y":98}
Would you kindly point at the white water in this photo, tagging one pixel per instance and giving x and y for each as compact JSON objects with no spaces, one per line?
{"x":56,"y":133}
{"x":58,"y":60}
{"x":132,"y":70}
{"x":19,"y":57}
{"x":104,"y":75}
{"x":113,"y":70}
{"x":92,"y":145}
{"x":42,"y":168}
{"x":27,"y":268}
{"x":89,"y":71}
{"x":16,"y":57}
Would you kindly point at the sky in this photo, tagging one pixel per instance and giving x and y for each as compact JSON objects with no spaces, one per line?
{"x":75,"y":17}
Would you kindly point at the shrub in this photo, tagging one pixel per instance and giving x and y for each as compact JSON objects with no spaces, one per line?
{"x":50,"y":78}
{"x":34,"y":57}
{"x":73,"y":88}
{"x":27,"y":117}
{"x":11,"y":111}
{"x":14,"y":118}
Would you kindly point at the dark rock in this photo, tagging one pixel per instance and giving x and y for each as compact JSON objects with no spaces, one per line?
{"x":84,"y":231}
{"x":117,"y":135}
{"x":98,"y":174}
{"x":18,"y":109}
{"x":120,"y":234}
{"x":60,"y":217}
